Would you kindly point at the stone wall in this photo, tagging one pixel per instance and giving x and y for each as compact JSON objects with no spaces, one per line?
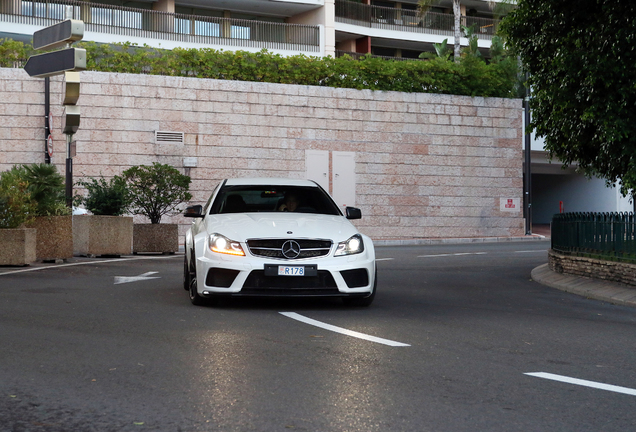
{"x":426,"y":166}
{"x":589,"y":267}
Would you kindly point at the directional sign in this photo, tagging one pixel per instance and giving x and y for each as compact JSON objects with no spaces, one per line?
{"x":56,"y":62}
{"x":71,"y":88}
{"x":141,"y":277}
{"x":58,"y":35}
{"x":71,"y":119}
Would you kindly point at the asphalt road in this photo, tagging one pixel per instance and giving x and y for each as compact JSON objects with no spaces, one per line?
{"x":460,"y":327}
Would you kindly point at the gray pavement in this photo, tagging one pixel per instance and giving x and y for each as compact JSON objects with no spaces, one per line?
{"x":598,"y":289}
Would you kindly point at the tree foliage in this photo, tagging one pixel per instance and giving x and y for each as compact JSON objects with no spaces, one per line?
{"x":156,"y":190}
{"x":580,"y":57}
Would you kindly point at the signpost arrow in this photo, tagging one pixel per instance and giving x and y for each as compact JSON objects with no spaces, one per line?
{"x":58,"y":35}
{"x":56,"y":62}
{"x":141,"y":277}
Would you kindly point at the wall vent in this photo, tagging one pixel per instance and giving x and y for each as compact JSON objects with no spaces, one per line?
{"x":167,"y":137}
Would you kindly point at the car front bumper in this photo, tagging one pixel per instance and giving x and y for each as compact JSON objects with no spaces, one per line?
{"x":343,"y":276}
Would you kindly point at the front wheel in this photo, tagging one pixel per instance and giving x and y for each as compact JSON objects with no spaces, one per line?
{"x":363,"y":301}
{"x":195,"y":298}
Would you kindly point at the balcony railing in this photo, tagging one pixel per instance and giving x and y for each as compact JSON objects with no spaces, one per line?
{"x":144,"y":23}
{"x":350,"y":12}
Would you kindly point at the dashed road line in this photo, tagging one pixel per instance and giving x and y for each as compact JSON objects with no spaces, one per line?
{"x":452,"y":254}
{"x":585,"y":383}
{"x":341,"y":330}
{"x":115,"y":260}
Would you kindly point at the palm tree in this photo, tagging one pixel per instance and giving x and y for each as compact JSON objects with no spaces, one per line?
{"x":424,"y":5}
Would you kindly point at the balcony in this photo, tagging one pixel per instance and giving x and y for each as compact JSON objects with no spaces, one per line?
{"x":405,"y":20}
{"x":145,"y":24}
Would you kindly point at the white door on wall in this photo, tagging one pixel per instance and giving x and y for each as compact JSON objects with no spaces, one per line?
{"x":344,"y":178}
{"x":317,"y":167}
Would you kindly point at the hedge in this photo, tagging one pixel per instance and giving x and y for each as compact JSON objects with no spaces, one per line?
{"x":471,"y":76}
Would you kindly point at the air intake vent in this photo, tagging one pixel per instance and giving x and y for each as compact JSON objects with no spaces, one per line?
{"x":167,"y":137}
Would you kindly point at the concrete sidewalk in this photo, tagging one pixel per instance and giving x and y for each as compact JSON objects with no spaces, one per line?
{"x":598,"y":289}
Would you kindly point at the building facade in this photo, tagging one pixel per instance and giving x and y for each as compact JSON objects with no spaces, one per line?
{"x":313,"y":28}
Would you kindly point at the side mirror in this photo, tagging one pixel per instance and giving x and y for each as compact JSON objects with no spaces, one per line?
{"x":195,"y":211}
{"x":353,"y":213}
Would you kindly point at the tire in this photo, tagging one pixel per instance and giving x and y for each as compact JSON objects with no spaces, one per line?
{"x":195,"y":298}
{"x":186,"y":274}
{"x":363,"y":301}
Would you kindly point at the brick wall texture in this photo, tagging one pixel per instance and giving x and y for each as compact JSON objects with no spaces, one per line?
{"x":426,"y":166}
{"x":593,"y":268}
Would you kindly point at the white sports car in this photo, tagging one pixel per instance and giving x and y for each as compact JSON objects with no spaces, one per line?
{"x":276,"y":237}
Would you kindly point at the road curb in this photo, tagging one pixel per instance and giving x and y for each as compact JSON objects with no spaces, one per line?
{"x":597,"y":289}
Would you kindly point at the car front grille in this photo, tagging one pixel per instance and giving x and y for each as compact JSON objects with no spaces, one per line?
{"x":273,"y":248}
{"x":322,"y":284}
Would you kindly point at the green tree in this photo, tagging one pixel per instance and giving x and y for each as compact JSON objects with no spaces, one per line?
{"x":580,"y":57}
{"x":424,"y":5}
{"x":156,"y":190}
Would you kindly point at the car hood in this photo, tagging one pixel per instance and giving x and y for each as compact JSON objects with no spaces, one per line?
{"x":244,"y":226}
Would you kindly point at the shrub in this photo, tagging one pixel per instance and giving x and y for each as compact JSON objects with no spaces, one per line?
{"x":47,"y":189}
{"x":107,"y":198}
{"x":156,"y":190}
{"x":16,"y":205}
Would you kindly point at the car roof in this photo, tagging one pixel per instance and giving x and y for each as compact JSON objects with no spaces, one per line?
{"x":265,"y":181}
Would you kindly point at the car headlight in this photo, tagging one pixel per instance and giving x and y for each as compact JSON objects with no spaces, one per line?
{"x":353,"y":245}
{"x":221,"y":244}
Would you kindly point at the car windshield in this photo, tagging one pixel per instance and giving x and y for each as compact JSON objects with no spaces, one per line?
{"x":263,"y":198}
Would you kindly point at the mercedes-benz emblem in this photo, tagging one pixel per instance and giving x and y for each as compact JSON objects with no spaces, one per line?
{"x":290,"y":249}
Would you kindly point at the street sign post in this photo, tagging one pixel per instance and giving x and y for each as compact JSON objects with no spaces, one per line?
{"x":59,"y":34}
{"x":68,"y":62}
{"x":56,"y":62}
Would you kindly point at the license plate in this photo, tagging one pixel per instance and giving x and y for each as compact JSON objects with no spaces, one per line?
{"x":291,"y":271}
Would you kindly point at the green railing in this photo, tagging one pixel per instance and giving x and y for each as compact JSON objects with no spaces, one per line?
{"x":609,"y":236}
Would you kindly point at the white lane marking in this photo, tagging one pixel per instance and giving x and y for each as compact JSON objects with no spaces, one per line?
{"x":141,"y":277}
{"x":452,"y":254}
{"x":585,"y":383}
{"x":113,"y":260}
{"x":341,"y":330}
{"x":384,"y":259}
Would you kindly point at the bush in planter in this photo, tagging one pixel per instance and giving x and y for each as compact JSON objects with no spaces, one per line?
{"x":47,"y":188}
{"x":156,"y":190}
{"x":53,"y":218}
{"x":16,"y":209}
{"x":105,"y":198}
{"x":105,"y":233}
{"x":16,"y":205}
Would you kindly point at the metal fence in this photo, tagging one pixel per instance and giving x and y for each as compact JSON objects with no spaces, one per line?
{"x":607,"y":235}
{"x":350,"y":12}
{"x":146,"y":23}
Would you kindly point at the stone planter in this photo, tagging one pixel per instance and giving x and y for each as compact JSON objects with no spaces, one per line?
{"x":162,"y":238}
{"x":102,"y":235}
{"x":18,"y":246}
{"x":54,"y":237}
